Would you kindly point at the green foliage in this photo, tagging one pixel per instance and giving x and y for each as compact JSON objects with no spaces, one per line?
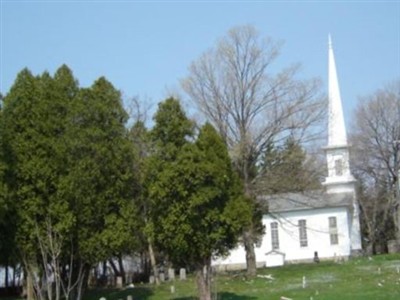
{"x":168,"y":136}
{"x":69,"y":166}
{"x":286,"y":169}
{"x":101,"y":182}
{"x":172,"y":129}
{"x":7,"y":212}
{"x":198,"y":209}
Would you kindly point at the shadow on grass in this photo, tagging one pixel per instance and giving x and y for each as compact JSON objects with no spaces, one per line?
{"x":222,"y":296}
{"x":138,"y":293}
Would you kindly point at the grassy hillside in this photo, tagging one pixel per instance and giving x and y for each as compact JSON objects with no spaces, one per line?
{"x":358,"y":279}
{"x":364,"y":278}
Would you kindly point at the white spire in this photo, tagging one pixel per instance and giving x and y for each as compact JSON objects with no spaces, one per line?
{"x":339,"y":179}
{"x":337,"y":131}
{"x":337,"y":153}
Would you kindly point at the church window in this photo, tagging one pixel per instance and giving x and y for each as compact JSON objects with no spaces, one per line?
{"x":274,"y":236}
{"x":333,"y":231}
{"x":303,"y":233}
{"x":338,"y":167}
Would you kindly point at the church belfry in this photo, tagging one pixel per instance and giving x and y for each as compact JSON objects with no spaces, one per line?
{"x":339,"y":178}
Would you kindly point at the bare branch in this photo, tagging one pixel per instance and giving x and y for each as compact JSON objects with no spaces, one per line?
{"x":232,"y":85}
{"x":376,"y":154}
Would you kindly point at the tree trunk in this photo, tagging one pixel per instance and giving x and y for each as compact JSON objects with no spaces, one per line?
{"x":397,"y":214}
{"x":203,"y":277}
{"x":29,"y":287}
{"x":396,"y":188}
{"x":13,"y":278}
{"x":153,"y":262}
{"x":118,"y":271}
{"x":58,"y":287}
{"x":248,"y":241}
{"x":144,"y":263}
{"x":121,"y":268}
{"x":79,"y":280}
{"x":82,"y":282}
{"x":114,"y":267}
{"x":6,"y":276}
{"x":248,"y":235}
{"x":397,"y":224}
{"x":104,"y":269}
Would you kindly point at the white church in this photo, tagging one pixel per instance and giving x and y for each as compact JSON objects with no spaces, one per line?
{"x":323,"y":224}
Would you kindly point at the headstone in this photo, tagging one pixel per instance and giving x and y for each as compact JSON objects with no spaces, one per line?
{"x":129,"y":297}
{"x":102,"y":298}
{"x":162,"y":277}
{"x":304,"y":282}
{"x":182,"y":274}
{"x":172,"y":289}
{"x":393,"y":246}
{"x":152,"y":279}
{"x":119,"y":281}
{"x":171,"y":274}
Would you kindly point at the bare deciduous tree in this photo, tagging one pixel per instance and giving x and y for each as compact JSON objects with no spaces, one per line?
{"x":235,"y":87}
{"x":376,"y":149}
{"x":139,"y":115}
{"x":138,"y":109}
{"x":46,"y":275}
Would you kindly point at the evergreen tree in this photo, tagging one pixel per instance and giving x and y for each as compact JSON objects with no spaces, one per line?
{"x":199,"y":210}
{"x":32,"y":131}
{"x":170,"y":133}
{"x":286,"y":169}
{"x":70,"y":169}
{"x":7,"y":216}
{"x":101,"y":183}
{"x":172,"y":129}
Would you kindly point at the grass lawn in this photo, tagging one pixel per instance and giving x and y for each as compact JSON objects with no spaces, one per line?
{"x":363,"y":278}
{"x":357,"y":279}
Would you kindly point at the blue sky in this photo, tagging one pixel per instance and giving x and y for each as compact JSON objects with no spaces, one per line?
{"x":145,"y":47}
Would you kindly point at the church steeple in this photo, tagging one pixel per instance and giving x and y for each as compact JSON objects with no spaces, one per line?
{"x":337,"y":131}
{"x":339,"y":178}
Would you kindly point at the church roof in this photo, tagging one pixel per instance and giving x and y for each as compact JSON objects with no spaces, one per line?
{"x":304,"y":201}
